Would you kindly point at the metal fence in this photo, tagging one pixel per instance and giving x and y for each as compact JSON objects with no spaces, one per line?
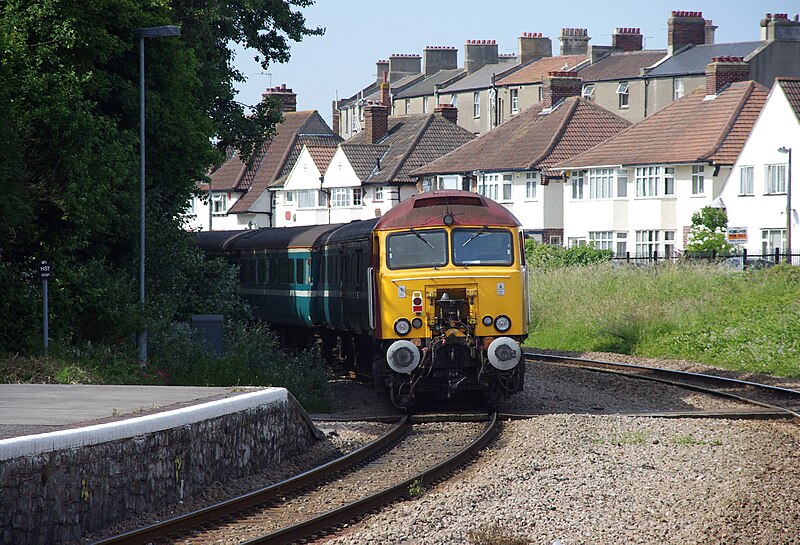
{"x":741,"y":261}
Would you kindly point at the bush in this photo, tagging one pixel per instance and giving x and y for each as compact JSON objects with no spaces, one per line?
{"x":547,"y":256}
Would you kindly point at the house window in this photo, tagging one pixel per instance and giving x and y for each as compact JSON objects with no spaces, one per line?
{"x":622,"y":91}
{"x":476,"y":104}
{"x":698,"y":182}
{"x":622,"y":184}
{"x":602,"y":240}
{"x":577,"y":185}
{"x":488,"y":185}
{"x":340,"y":196}
{"x":408,"y":106}
{"x":669,"y":180}
{"x":530,"y":185}
{"x":454,"y":100}
{"x":379,"y":193}
{"x":746,"y":185}
{"x":622,"y":244}
{"x":427,"y":184}
{"x":772,"y":239}
{"x":191,"y":207}
{"x":506,"y":187}
{"x":541,"y":93}
{"x":353,"y":122}
{"x":514,"y":101}
{"x":289,"y":197}
{"x":357,"y":196}
{"x":646,"y":243}
{"x":600,"y":183}
{"x":677,"y":88}
{"x":588,"y":91}
{"x":307,"y":198}
{"x":775,"y":179}
{"x":647,"y":181}
{"x":219,"y":204}
{"x":669,"y":243}
{"x":425,"y":105}
{"x":576,"y":242}
{"x":360,"y":112}
{"x":322,"y":199}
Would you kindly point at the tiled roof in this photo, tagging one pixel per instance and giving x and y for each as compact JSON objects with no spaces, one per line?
{"x":623,"y":65}
{"x":481,"y":78}
{"x":227,"y":176}
{"x":318,"y":141}
{"x":791,"y":87}
{"x":412,"y":141}
{"x":363,"y":157}
{"x":534,"y":139}
{"x":695,"y":59}
{"x":689,"y":130}
{"x":273,"y":158}
{"x":426,"y":86}
{"x":535,"y":71}
{"x":397,"y":87}
{"x":321,"y":155}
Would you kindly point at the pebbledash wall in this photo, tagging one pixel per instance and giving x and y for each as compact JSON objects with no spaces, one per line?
{"x":56,"y":487}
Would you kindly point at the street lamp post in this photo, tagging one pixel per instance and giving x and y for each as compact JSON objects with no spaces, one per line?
{"x":141,"y":34}
{"x":788,"y":151}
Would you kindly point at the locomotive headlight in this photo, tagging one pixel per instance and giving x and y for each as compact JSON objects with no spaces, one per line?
{"x":504,"y":353}
{"x":402,"y":327}
{"x":487,"y":320}
{"x":502,"y":323}
{"x":403,"y":356}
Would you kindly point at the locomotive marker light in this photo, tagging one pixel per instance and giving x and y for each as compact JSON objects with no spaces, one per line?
{"x":403,"y":357}
{"x":504,"y":353}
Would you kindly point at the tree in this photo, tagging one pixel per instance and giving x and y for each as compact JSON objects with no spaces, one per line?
{"x":69,"y":83}
{"x":708,"y":231}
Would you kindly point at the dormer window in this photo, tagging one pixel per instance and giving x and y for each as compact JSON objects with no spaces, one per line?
{"x":588,"y":91}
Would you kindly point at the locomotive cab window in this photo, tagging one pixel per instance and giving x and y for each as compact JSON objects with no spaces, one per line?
{"x":482,"y":246}
{"x":416,"y":249}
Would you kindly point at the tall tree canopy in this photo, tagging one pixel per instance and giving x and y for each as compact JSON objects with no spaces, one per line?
{"x":69,"y":83}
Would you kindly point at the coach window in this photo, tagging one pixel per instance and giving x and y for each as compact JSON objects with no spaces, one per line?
{"x":299,"y":270}
{"x":414,"y":249}
{"x":482,"y":246}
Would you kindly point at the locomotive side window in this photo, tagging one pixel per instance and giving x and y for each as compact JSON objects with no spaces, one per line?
{"x":482,"y":246}
{"x":414,"y":249}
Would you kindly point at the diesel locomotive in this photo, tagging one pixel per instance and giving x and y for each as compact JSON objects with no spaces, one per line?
{"x":429,"y":300}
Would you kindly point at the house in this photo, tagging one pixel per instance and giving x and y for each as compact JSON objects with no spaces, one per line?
{"x":756,"y":194}
{"x":238,"y":192}
{"x":511,"y":163}
{"x":636,"y":192}
{"x":369,"y":173}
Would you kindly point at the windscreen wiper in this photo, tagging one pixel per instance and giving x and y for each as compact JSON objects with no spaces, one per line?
{"x":416,"y":234}
{"x":476,"y":235}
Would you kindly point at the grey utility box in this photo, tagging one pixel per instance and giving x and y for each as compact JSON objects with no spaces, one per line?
{"x":207,"y":330}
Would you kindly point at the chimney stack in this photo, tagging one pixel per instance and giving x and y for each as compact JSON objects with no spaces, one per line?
{"x":778,"y":27}
{"x":685,"y":28}
{"x":335,"y":116}
{"x":376,"y":122}
{"x":711,"y":29}
{"x":401,"y":66}
{"x":722,"y":71}
{"x":385,"y":88}
{"x":574,"y":41}
{"x":382,"y":67}
{"x":447,"y":111}
{"x":286,"y":98}
{"x":559,"y":85}
{"x":532,"y":45}
{"x":438,"y":58}
{"x":627,"y":39}
{"x":479,"y":53}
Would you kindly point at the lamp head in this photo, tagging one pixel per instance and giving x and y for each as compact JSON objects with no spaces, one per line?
{"x":784,"y":149}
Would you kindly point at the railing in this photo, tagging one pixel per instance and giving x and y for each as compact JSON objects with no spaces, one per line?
{"x":743,"y":260}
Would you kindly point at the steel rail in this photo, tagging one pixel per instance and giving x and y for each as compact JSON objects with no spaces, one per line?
{"x":355,"y":509}
{"x":258,"y":497}
{"x":659,"y":374}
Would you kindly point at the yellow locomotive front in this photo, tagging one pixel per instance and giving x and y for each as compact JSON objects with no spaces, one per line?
{"x":452,"y":299}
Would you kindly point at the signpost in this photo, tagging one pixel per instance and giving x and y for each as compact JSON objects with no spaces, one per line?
{"x":45,"y":272}
{"x":737,"y":235}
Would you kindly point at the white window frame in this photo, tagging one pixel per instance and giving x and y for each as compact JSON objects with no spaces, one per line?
{"x":601,"y":182}
{"x":454,"y":100}
{"x":602,"y":240}
{"x":768,"y":237}
{"x":647,"y":179}
{"x":340,"y":197}
{"x":306,"y":196}
{"x":514,"y":101}
{"x":622,"y":184}
{"x":576,"y":181}
{"x":669,"y":244}
{"x":624,"y":96}
{"x":507,"y":187}
{"x":775,"y":179}
{"x":669,"y":181}
{"x":219,"y":204}
{"x":698,"y":179}
{"x":531,"y":181}
{"x":647,"y":241}
{"x":476,"y":104}
{"x":677,"y":88}
{"x":622,"y":244}
{"x":588,"y":91}
{"x":746,"y":180}
{"x":379,"y":193}
{"x":358,"y":196}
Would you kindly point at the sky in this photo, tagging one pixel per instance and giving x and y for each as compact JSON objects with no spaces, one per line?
{"x":359,"y":32}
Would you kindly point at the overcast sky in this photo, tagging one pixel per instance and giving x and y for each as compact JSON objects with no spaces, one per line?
{"x":359,"y":32}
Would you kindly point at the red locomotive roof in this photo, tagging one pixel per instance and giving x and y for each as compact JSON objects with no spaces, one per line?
{"x":429,"y":209}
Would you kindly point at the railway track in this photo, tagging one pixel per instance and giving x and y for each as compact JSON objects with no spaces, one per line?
{"x":405,"y":460}
{"x":770,"y":401}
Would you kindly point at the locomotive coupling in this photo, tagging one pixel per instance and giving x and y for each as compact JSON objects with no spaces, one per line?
{"x":403,"y":356}
{"x":504,"y":353}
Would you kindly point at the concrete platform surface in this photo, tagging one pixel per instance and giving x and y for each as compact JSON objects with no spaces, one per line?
{"x":39,"y":408}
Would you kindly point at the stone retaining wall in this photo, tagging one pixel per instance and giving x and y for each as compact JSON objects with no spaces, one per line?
{"x":51,"y":496}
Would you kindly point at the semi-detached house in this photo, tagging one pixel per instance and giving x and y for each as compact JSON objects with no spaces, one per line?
{"x":636,"y":192}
